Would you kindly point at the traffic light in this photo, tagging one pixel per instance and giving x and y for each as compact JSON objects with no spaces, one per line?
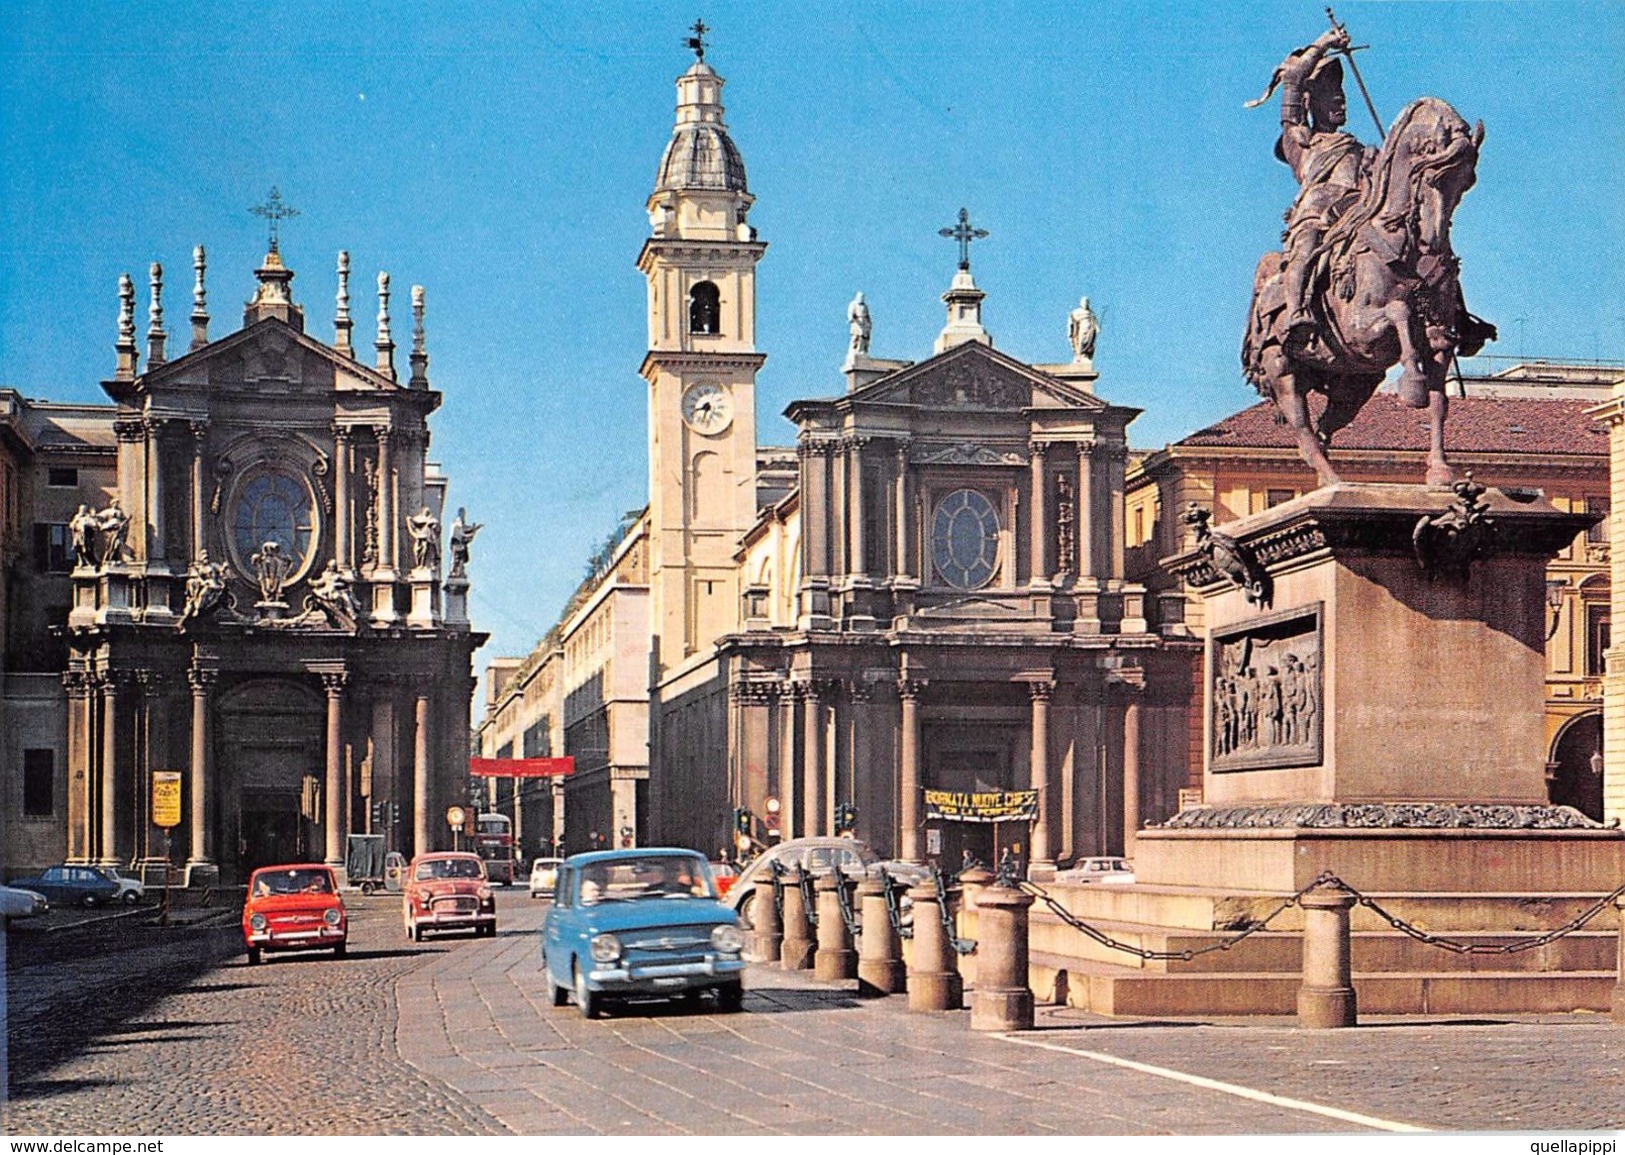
{"x":742,"y":820}
{"x":846,"y":818}
{"x":394,"y":813}
{"x":377,"y":814}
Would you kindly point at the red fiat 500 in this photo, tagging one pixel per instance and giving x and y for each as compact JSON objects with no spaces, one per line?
{"x":294,"y":907}
{"x":448,"y":891}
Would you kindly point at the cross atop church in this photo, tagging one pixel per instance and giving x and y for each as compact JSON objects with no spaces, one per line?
{"x":274,"y":211}
{"x":964,"y":234}
{"x":697,"y":41}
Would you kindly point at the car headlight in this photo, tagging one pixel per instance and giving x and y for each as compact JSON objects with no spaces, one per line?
{"x":330,"y":916}
{"x":256,"y":921}
{"x":727,"y":939}
{"x":484,"y":893}
{"x":604,"y":948}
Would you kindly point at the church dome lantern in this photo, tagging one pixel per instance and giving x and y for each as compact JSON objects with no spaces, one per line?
{"x":701,"y":156}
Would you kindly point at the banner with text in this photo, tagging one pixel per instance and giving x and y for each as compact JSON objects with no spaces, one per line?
{"x":521,"y":767}
{"x":982,"y":806}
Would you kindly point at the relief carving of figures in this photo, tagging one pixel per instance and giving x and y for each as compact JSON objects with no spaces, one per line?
{"x":330,"y":593}
{"x":959,"y":387}
{"x":1266,"y":698}
{"x":271,"y":570}
{"x":115,"y":525}
{"x":82,"y":529}
{"x":1066,"y":523}
{"x":462,"y":534}
{"x":369,"y":502}
{"x":205,"y":590}
{"x":424,"y":527}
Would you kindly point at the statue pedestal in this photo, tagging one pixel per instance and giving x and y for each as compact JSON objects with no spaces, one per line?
{"x":457,"y":600}
{"x":425,"y":599}
{"x":383,"y":597}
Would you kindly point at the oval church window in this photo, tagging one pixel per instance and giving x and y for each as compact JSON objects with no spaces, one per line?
{"x":965,"y":539}
{"x":273,"y":506}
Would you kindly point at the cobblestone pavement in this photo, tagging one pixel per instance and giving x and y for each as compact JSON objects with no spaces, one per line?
{"x":459,"y":1036}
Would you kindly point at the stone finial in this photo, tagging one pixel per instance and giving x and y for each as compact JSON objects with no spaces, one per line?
{"x":420,"y":357}
{"x":125,"y":346}
{"x":200,"y":299}
{"x":156,"y":336}
{"x":341,"y":317}
{"x":385,"y":344}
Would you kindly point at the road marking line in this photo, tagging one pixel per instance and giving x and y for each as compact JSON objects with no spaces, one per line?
{"x":1225,"y":1088}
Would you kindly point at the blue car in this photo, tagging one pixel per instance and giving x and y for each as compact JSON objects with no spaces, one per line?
{"x":640,"y":924}
{"x":72,"y":885}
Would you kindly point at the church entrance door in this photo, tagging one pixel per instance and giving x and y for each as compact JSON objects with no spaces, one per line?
{"x":270,"y":756}
{"x":975,"y":770}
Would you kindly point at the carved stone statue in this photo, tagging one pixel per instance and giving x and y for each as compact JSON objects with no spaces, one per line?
{"x":82,"y":529}
{"x":205,"y":590}
{"x":424,"y":527}
{"x":1082,"y":327}
{"x":271,"y":569}
{"x":462,"y":533}
{"x":330,"y":593}
{"x":1367,"y":278}
{"x":857,"y":320}
{"x":115,"y":524}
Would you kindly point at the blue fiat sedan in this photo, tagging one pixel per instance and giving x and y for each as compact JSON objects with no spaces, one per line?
{"x":640,"y":924}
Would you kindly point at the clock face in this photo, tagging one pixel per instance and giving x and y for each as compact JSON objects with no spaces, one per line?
{"x":708,"y":409}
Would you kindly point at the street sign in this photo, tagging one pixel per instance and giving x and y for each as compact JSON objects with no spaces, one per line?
{"x":166,"y":798}
{"x":456,"y":816}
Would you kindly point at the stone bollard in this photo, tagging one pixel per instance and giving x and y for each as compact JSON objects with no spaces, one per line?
{"x":766,"y":929}
{"x":1326,"y":998}
{"x":933,"y":978}
{"x":835,"y":960}
{"x":797,"y":946}
{"x":880,"y":950}
{"x":1619,"y":980}
{"x":1002,"y":1000}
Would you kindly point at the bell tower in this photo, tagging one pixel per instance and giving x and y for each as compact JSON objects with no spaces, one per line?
{"x":700,"y":263}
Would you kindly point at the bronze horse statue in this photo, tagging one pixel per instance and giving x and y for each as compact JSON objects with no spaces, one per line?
{"x":1386,"y":292}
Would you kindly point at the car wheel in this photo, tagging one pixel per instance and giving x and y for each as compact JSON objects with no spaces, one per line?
{"x":253,"y":956}
{"x":130,"y":898}
{"x":88,"y":901}
{"x":341,"y":950}
{"x":366,"y":889}
{"x":588,"y":1002}
{"x":415,"y":932}
{"x":561,"y":995}
{"x":731,"y":997}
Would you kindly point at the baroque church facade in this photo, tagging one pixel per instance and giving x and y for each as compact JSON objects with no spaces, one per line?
{"x":272,"y":605}
{"x":925,"y":593}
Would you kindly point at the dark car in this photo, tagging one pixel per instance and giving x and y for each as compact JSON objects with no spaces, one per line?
{"x":72,"y":885}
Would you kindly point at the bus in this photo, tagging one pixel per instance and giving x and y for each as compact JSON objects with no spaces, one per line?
{"x":493,"y":842}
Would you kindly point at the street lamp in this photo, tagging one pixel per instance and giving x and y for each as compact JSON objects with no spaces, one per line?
{"x":1554,"y":603}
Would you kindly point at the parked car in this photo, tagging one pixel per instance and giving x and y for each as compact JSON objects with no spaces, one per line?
{"x":544,"y":875}
{"x":640,"y":923}
{"x":130,"y":890}
{"x":818,"y":855}
{"x":448,"y":890}
{"x":295,"y":906}
{"x":1105,"y":871}
{"x":18,"y":903}
{"x":72,"y":885}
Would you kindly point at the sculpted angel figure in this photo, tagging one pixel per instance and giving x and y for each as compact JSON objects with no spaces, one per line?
{"x":462,"y":533}
{"x":205,"y":589}
{"x":424,"y":527}
{"x":115,"y":523}
{"x":331,"y":593}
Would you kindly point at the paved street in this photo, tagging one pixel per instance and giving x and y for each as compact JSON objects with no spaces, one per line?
{"x":458,"y":1036}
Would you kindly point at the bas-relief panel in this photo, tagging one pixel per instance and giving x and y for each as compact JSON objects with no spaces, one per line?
{"x":1265,"y":695}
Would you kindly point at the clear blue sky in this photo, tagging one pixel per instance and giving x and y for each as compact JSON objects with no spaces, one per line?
{"x":500,"y":154}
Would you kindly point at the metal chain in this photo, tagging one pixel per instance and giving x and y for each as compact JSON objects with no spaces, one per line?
{"x":845,"y":901}
{"x":809,"y":899}
{"x":777,"y":869}
{"x":960,"y":945}
{"x":894,"y":908}
{"x":1458,"y":947}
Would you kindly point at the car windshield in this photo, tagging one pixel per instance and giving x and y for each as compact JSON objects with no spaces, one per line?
{"x":646,"y":876}
{"x":293,"y":882}
{"x":449,"y":868}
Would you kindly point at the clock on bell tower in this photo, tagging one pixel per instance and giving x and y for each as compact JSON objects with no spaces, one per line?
{"x":700,"y":263}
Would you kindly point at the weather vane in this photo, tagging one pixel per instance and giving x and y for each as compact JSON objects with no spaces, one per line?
{"x":697,"y":41}
{"x":274,"y":211}
{"x":964,"y":234}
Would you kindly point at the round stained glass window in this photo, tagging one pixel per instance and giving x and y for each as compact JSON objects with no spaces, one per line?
{"x":965,"y":539}
{"x":273,"y":507}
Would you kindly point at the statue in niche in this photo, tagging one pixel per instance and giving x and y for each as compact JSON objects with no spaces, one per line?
{"x":1082,"y":328}
{"x":115,"y":524}
{"x":330,"y":593}
{"x":424,"y":527}
{"x":462,"y":533}
{"x":1066,"y":524}
{"x":205,"y":589}
{"x":82,"y":530}
{"x":271,"y":569}
{"x":857,"y":320}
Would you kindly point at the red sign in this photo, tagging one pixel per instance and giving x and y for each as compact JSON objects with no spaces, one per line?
{"x":521,"y":767}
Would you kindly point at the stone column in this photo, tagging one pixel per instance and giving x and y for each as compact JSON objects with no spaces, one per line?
{"x":109,"y":775}
{"x":386,"y":502}
{"x":789,"y":816}
{"x":908,"y":776}
{"x":1131,"y":772}
{"x":901,"y":563}
{"x":202,"y":680}
{"x":155,"y":730}
{"x":1617,"y":1000}
{"x":334,"y":794}
{"x":342,"y":465}
{"x":200,"y":436}
{"x":856,"y":566}
{"x":880,"y":950}
{"x":812,"y":761}
{"x":423,"y":817}
{"x":1002,"y":1000}
{"x":1116,"y":464}
{"x":1326,"y":998}
{"x":1088,"y":483}
{"x":1039,"y":577}
{"x":1042,"y":857}
{"x":80,"y":847}
{"x":155,"y":492}
{"x":834,"y":959}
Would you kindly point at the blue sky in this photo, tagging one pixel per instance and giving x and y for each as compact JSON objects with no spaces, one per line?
{"x":500,"y":155}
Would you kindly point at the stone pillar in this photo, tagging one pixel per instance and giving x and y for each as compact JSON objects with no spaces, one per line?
{"x":797,"y":946}
{"x":933,"y":978}
{"x":334,"y":794}
{"x":202,"y":680}
{"x":814,"y":509}
{"x":80,"y":847}
{"x":109,"y":770}
{"x":1041,"y":859}
{"x":908,"y":775}
{"x":1131,"y":773}
{"x":1088,"y":483}
{"x":1039,"y":577}
{"x":1116,"y":464}
{"x":788,"y":766}
{"x":1326,"y":998}
{"x":155,"y":492}
{"x":835,"y":959}
{"x":856,"y":565}
{"x":423,"y":816}
{"x":901,"y":563}
{"x":880,"y":950}
{"x":812,"y":761}
{"x":1002,"y":1000}
{"x":386,"y":502}
{"x":343,"y":464}
{"x":767,"y":931}
{"x":1617,"y":1003}
{"x":200,"y":436}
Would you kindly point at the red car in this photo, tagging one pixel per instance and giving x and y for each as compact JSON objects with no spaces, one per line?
{"x":448,"y":890}
{"x":294,"y":907}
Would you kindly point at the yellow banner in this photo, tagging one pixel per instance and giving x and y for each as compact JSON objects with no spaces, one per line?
{"x":166,"y":798}
{"x":982,"y":806}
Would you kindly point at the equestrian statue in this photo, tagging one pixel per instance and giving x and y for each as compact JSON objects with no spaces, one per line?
{"x":1366,"y":278}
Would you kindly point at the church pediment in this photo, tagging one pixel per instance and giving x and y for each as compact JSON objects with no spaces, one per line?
{"x":266,"y":357}
{"x":974,"y":377}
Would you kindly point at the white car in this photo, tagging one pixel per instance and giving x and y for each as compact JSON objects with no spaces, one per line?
{"x":130,"y":890}
{"x":1104,"y":871}
{"x":544,"y":875}
{"x":18,"y":903}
